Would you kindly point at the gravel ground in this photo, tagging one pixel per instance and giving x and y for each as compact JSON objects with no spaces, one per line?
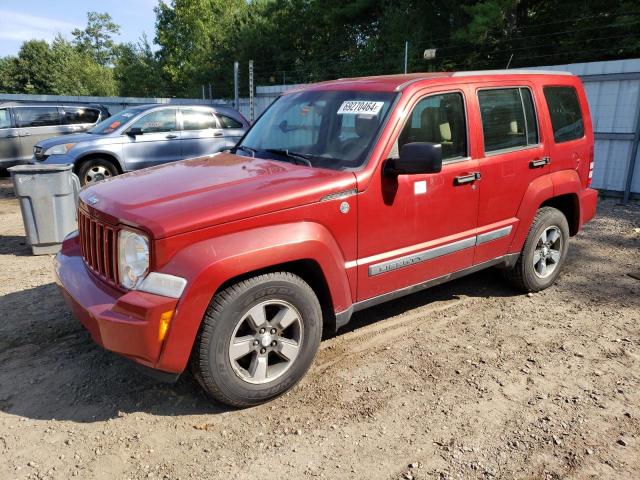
{"x":467,"y":380}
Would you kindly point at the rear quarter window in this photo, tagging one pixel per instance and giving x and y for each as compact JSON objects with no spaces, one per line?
{"x":79,"y":115}
{"x":565,"y":113}
{"x":228,"y":122}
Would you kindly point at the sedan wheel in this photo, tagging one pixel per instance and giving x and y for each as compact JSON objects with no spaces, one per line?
{"x":97,"y":173}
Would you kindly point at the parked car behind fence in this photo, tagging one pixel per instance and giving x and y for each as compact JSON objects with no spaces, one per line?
{"x":23,"y":125}
{"x":144,"y":136}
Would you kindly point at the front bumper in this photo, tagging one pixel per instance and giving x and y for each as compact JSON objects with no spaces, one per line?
{"x":124,"y":322}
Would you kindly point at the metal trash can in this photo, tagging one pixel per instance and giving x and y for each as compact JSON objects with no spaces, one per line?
{"x":48,"y":197}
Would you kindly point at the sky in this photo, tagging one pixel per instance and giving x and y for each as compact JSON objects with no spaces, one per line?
{"x":22,"y":20}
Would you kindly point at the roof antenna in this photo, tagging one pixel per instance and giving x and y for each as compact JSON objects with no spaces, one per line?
{"x":509,"y":62}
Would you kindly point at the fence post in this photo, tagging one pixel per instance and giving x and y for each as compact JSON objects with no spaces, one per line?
{"x":632,"y":160}
{"x":251,"y":112}
{"x":236,"y":91}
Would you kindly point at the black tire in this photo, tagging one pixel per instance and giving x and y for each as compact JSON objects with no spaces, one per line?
{"x":210,"y":360}
{"x":523,"y":274}
{"x":105,"y":167}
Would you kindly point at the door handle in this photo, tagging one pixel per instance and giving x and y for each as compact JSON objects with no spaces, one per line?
{"x":540,"y":162}
{"x":468,"y":178}
{"x":217,"y":134}
{"x":171,"y":136}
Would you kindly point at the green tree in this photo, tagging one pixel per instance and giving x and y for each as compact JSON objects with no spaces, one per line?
{"x":97,"y":37}
{"x":136,"y":70}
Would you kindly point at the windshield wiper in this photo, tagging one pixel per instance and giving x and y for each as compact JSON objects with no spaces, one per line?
{"x":299,"y":158}
{"x":252,"y":151}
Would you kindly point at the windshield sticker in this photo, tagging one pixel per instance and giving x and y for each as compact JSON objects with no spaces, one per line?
{"x":114,"y":125}
{"x":360,"y":107}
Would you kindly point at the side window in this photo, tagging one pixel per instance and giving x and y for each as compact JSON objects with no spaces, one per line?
{"x":5,"y":118}
{"x":438,"y":119}
{"x":196,"y":119}
{"x":508,"y":119}
{"x":36,"y":116}
{"x":158,"y":121}
{"x":566,"y":116}
{"x":228,"y":122}
{"x":79,"y":115}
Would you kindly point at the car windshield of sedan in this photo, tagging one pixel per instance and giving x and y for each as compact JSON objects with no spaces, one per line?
{"x":110,"y":124}
{"x":326,"y":129}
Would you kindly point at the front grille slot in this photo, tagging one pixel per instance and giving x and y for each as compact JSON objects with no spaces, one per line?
{"x":98,"y":243}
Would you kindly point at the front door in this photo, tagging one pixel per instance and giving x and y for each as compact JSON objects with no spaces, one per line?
{"x":157,"y":143}
{"x":201,"y":134}
{"x":413,"y":228}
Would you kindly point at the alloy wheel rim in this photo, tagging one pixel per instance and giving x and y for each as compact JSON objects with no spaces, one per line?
{"x":266,"y":341}
{"x":547,"y":253}
{"x":96,"y":173}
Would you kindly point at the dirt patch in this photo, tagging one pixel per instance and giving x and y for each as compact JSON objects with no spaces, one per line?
{"x":467,"y":380}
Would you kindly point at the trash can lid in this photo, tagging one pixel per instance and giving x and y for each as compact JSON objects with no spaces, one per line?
{"x":40,"y":168}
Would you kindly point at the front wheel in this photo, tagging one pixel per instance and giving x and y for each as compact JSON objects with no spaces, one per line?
{"x":95,"y":170}
{"x":544,"y":252}
{"x":258,"y":338}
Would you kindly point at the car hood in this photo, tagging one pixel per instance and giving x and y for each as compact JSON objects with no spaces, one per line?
{"x":183,"y":196}
{"x":72,"y":138}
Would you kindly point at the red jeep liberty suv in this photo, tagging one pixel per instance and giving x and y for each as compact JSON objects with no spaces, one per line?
{"x":343,"y":195}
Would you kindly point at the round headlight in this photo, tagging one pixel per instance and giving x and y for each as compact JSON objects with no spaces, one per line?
{"x":133,"y":258}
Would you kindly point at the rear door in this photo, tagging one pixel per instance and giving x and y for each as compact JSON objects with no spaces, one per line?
{"x":232,"y":129}
{"x":513,"y":154}
{"x":9,"y":139}
{"x":34,"y":124}
{"x":159,"y":141}
{"x":201,"y":133}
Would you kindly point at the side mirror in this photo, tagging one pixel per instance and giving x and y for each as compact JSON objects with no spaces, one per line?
{"x":415,"y":158}
{"x":132,"y":132}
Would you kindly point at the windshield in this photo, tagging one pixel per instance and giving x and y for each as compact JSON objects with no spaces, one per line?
{"x":112,"y":123}
{"x":327,"y":129}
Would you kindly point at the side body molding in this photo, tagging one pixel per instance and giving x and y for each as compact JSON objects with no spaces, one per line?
{"x":208,"y":264}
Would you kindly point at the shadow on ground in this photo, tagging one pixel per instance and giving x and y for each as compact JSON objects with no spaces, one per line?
{"x":14,"y":245}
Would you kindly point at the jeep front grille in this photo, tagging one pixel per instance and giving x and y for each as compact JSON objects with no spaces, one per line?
{"x":98,"y":244}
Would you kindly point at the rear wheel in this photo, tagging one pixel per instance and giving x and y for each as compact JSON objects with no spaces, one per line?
{"x":95,"y":170}
{"x":544,"y":252}
{"x":257,"y":339}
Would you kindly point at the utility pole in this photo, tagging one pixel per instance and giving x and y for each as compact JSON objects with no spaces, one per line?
{"x":236,"y":91}
{"x":203,"y":91}
{"x":251,"y":112}
{"x":210,"y":93}
{"x":406,"y":55}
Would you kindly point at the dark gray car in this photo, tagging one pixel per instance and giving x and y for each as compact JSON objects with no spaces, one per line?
{"x":23,"y":125}
{"x":144,"y":136}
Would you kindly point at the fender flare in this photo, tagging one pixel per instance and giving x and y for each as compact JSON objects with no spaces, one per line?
{"x":542,"y":189}
{"x":97,"y":153}
{"x":209,"y":264}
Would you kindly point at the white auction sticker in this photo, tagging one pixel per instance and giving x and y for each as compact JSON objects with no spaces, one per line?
{"x":362,"y":107}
